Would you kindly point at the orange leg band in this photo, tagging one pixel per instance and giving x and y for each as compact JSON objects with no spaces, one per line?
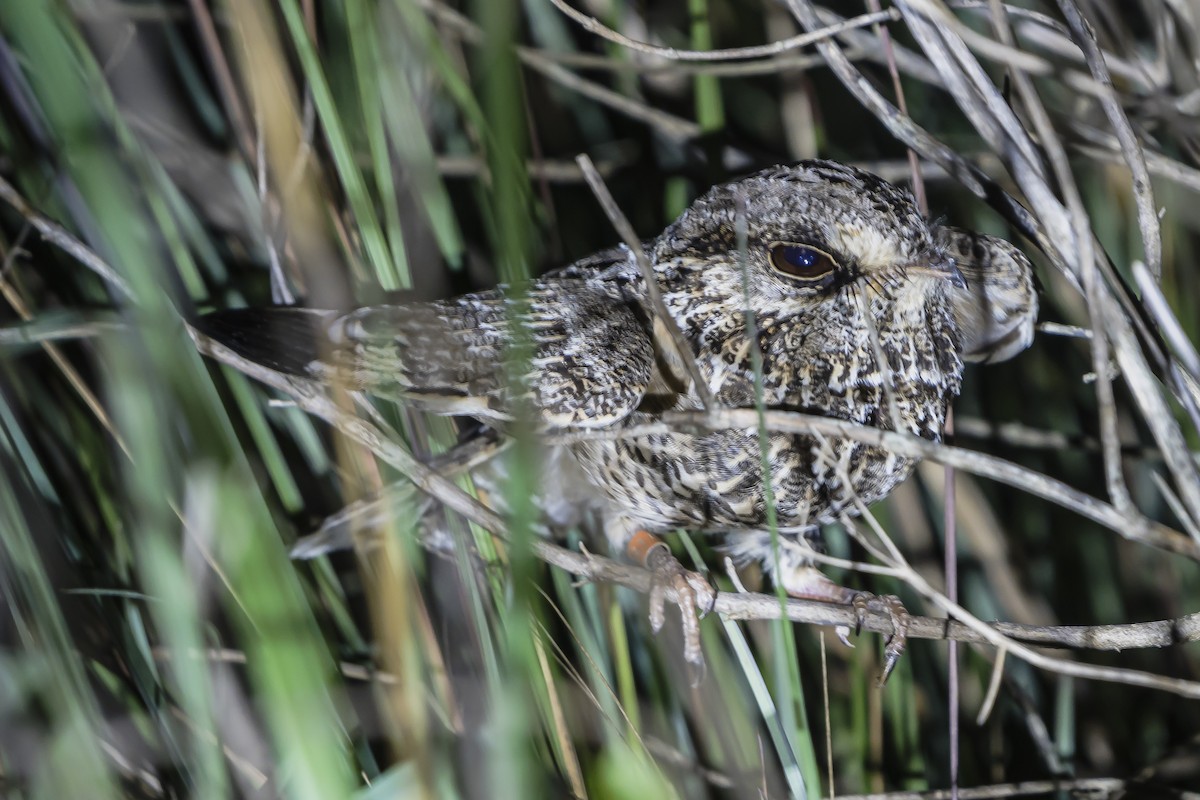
{"x":641,"y":545}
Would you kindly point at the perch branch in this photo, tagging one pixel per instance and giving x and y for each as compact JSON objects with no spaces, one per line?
{"x":310,"y":398}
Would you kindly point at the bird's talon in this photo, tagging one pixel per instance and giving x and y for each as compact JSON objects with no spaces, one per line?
{"x":897,"y":642}
{"x":703,"y":590}
{"x":808,"y":583}
{"x":843,"y":634}
{"x":891,"y":656}
{"x":860,"y":602}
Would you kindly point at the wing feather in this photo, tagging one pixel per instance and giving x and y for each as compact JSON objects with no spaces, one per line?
{"x":592,"y":362}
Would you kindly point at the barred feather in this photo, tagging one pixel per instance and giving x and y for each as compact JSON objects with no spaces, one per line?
{"x":879,"y":339}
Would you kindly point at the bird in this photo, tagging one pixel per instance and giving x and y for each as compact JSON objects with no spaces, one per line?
{"x":816,"y":287}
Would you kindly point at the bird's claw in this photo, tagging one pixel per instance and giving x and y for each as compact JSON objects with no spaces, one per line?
{"x":890,"y":604}
{"x":899,"y":639}
{"x":859,"y":602}
{"x":843,"y":634}
{"x":693,"y":594}
{"x":899,"y":617}
{"x":809,"y":584}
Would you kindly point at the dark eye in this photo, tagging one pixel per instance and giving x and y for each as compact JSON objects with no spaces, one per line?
{"x":801,"y":261}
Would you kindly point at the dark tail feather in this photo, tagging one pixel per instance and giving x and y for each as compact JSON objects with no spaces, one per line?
{"x":284,"y":339}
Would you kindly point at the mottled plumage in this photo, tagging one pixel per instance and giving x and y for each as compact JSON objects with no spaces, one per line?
{"x":860,"y":312}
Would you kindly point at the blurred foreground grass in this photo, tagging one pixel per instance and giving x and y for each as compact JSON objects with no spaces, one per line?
{"x":156,"y":639}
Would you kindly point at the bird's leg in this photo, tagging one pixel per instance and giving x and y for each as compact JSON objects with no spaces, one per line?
{"x":808,"y":583}
{"x":693,"y":593}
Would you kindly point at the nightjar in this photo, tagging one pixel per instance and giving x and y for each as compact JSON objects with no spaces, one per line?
{"x":863,"y":310}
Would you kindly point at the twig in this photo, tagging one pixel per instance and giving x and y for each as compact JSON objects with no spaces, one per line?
{"x":593,"y":25}
{"x":993,"y":690}
{"x":1143,"y":192}
{"x":59,"y":236}
{"x":310,"y":398}
{"x":1130,"y":524}
{"x":1176,"y":507}
{"x":670,"y":125}
{"x":576,"y":60}
{"x":1087,"y":266}
{"x":1001,"y":790}
{"x":918,"y":182}
{"x":1105,"y":147}
{"x":1158,"y":633}
{"x":337,"y":530}
{"x":1168,"y":325}
{"x":683,"y":354}
{"x":749,"y":606}
{"x":223,"y":76}
{"x":544,"y":169}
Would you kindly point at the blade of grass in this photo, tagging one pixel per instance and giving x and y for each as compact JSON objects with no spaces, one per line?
{"x":389,"y":266}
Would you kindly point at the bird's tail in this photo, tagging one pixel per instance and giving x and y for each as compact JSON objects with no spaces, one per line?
{"x":285,"y":339}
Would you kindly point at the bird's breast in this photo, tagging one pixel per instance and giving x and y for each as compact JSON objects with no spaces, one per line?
{"x":899,"y":372}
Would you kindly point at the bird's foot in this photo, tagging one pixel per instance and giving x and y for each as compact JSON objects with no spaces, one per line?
{"x":809,"y":584}
{"x":693,"y":593}
{"x":898,"y":615}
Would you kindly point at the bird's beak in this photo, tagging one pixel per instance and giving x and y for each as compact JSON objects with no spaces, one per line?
{"x":946,"y":268}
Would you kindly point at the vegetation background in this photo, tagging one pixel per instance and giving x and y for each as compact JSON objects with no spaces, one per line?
{"x":156,"y":640}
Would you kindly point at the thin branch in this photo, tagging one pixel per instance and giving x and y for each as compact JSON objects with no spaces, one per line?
{"x":752,"y":606}
{"x":1001,"y":790}
{"x":682,"y":355}
{"x":310,"y":397}
{"x":669,"y":124}
{"x":1143,"y":192}
{"x":993,"y":690}
{"x":1087,"y":266}
{"x":580,"y":60}
{"x":542,"y":169}
{"x":1104,"y":147}
{"x":222,"y":75}
{"x":60,"y":237}
{"x":1156,"y":304}
{"x":1130,"y":524}
{"x":593,"y":25}
{"x":995,"y":637}
{"x":1158,"y":633}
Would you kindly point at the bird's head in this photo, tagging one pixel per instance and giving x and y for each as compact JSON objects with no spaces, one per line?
{"x":820,"y":235}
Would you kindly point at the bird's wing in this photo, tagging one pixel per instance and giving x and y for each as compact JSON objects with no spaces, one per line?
{"x":997,"y":309}
{"x":592,"y":358}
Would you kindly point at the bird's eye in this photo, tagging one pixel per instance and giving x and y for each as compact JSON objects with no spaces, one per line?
{"x":801,"y":261}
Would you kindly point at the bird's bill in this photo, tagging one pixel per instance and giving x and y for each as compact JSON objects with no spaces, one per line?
{"x":946,"y":270}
